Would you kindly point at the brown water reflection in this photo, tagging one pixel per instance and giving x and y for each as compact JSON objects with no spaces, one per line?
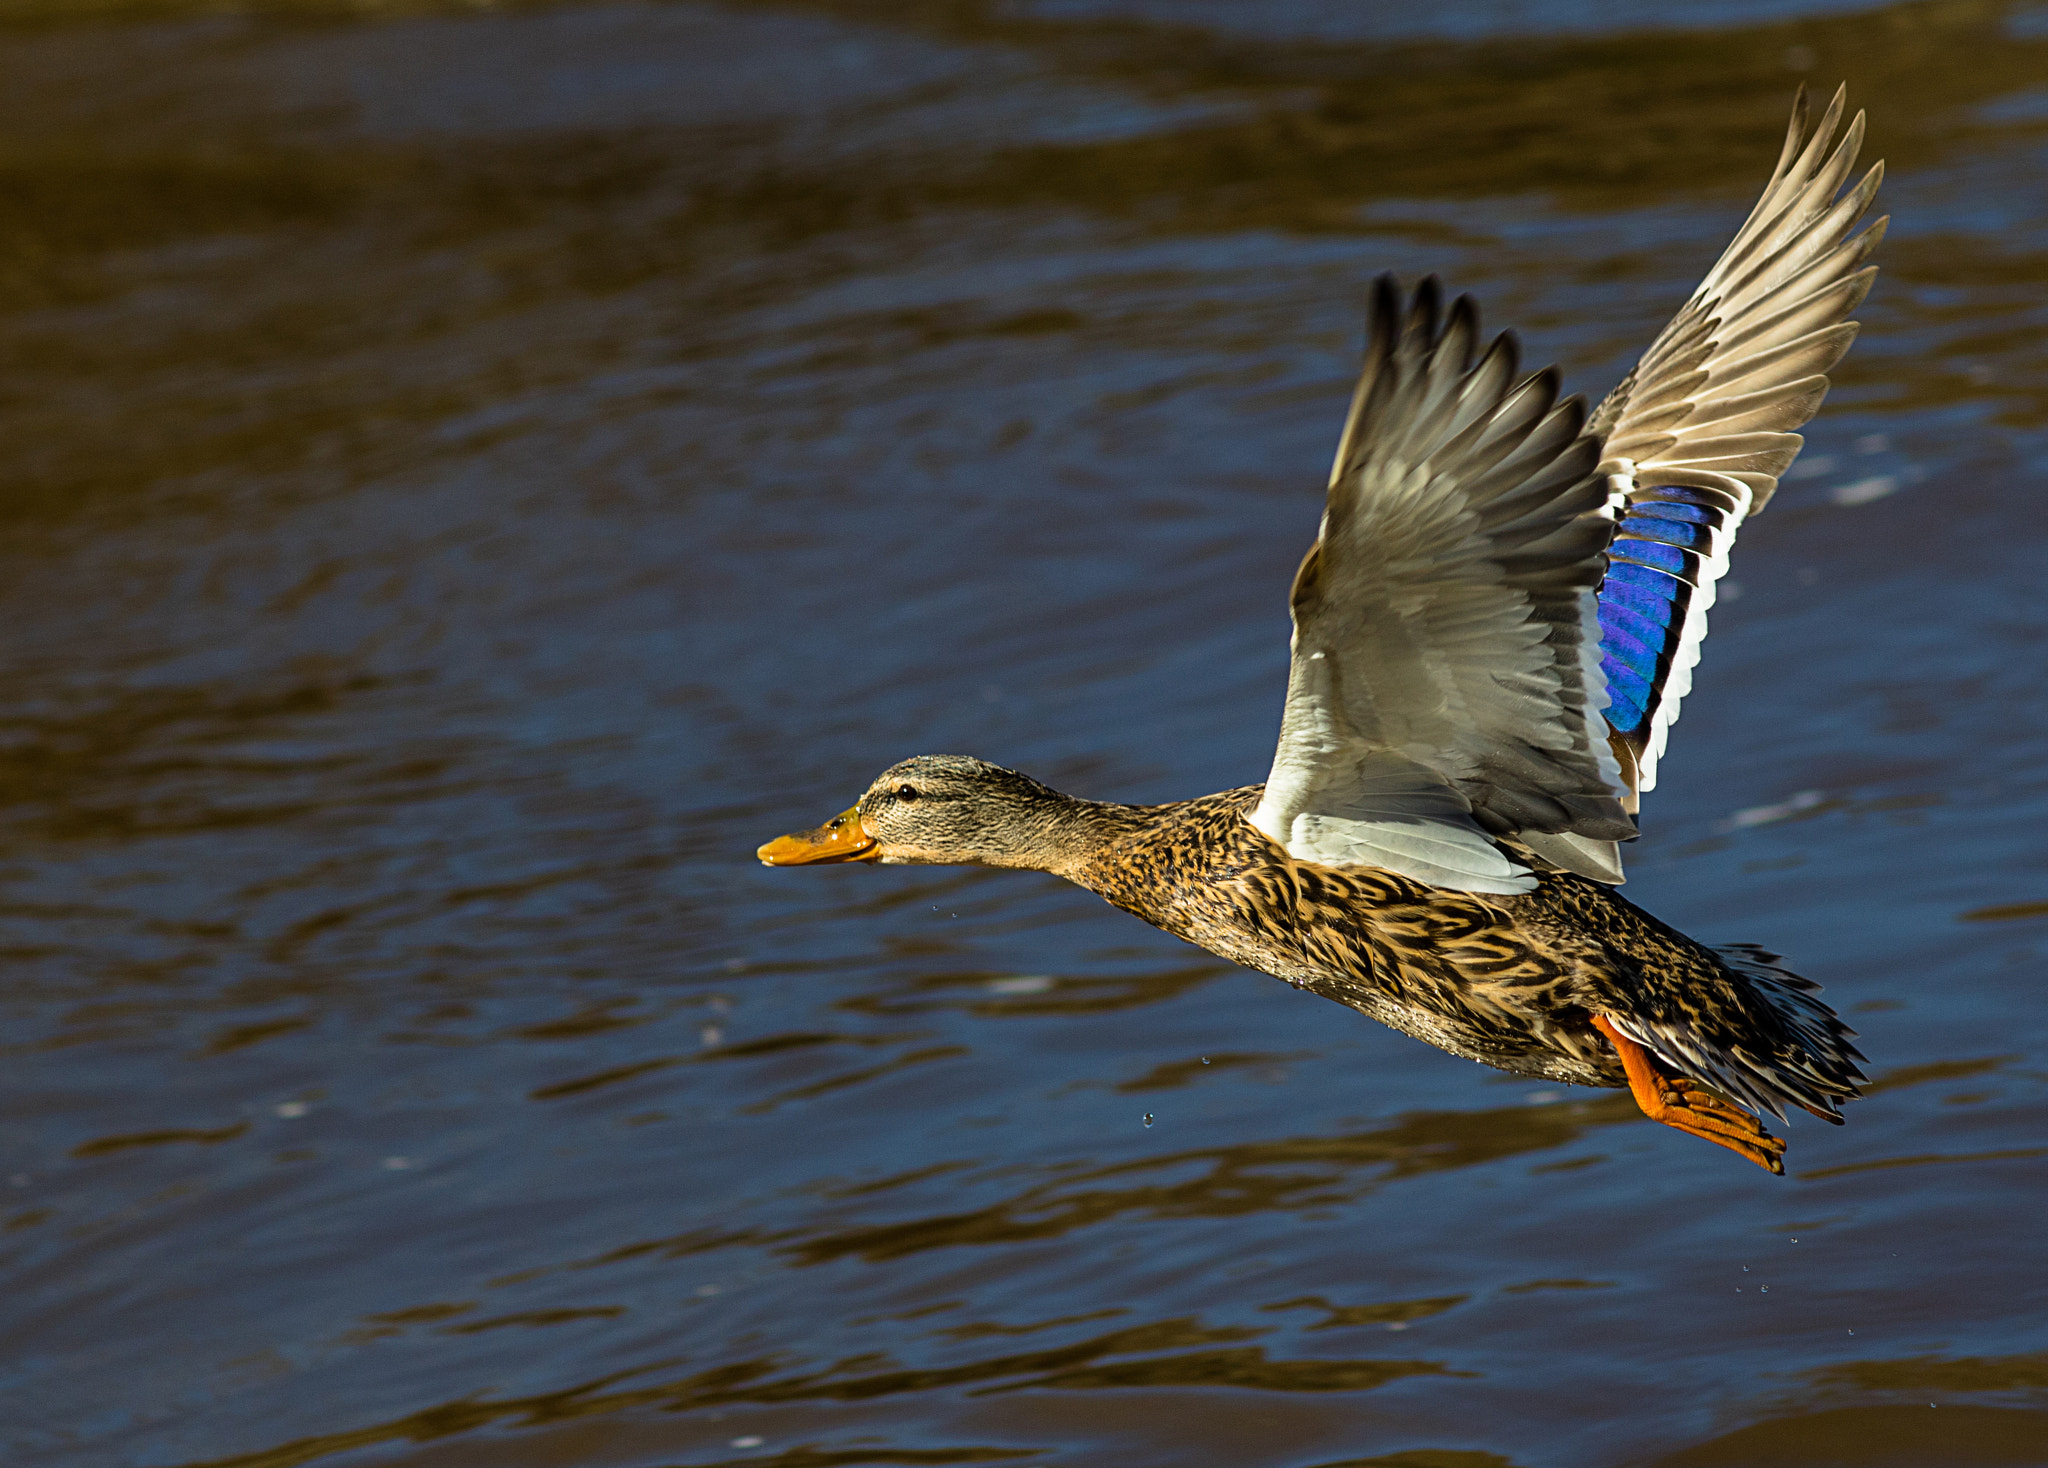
{"x":474,"y":467}
{"x":1070,"y":1368}
{"x":1307,"y":1172}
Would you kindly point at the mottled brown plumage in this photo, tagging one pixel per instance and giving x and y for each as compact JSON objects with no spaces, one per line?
{"x":1514,"y":982}
{"x":1511,"y":982}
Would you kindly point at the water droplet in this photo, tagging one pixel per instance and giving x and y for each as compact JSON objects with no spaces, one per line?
{"x":1745,"y":1269}
{"x":1205,"y":1060}
{"x":1763,"y":1289}
{"x":1795,"y":1241}
{"x":1852,"y":1332}
{"x":1148,"y":1118}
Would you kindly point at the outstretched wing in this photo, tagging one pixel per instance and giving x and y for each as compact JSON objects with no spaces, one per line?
{"x":1445,"y":684}
{"x":1450,"y":655}
{"x":1697,"y":435}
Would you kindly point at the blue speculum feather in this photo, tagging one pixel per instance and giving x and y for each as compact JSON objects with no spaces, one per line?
{"x":1667,"y":558}
{"x":1671,"y":532}
{"x":1642,"y":616}
{"x":1634,"y":649}
{"x":1667,"y":510}
{"x":1654,"y":565}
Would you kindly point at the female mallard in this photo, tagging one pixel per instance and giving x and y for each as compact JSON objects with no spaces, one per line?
{"x":1492,"y":633}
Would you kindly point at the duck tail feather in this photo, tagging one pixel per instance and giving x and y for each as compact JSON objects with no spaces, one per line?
{"x":1797,"y":1049}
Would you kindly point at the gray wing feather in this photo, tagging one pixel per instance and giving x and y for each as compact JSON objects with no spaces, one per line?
{"x":1447,"y":675}
{"x":1706,"y":419}
{"x":1445,"y":685}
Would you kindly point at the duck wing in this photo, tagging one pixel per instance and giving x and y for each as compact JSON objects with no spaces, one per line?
{"x":1445,"y":685}
{"x":1450,"y":649}
{"x":1696,"y":437}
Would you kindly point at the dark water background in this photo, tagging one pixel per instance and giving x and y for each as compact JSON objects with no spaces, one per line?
{"x":473,"y":473}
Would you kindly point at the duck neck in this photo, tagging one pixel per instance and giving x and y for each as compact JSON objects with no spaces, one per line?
{"x":1067,"y":837}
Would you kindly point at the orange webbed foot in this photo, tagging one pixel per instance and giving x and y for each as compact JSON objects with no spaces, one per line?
{"x":1691,"y":1107}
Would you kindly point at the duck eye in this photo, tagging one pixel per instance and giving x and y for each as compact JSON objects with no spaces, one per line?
{"x":906,"y":792}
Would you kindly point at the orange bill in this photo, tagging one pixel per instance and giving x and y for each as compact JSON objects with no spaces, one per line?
{"x":843,"y":838}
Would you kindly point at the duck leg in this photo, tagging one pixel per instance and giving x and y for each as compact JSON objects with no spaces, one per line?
{"x":1691,"y":1107}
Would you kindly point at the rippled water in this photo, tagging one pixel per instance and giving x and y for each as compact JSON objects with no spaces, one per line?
{"x":473,"y":474}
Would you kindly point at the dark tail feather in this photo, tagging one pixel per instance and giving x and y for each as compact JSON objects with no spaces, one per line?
{"x":1821,"y":1068}
{"x":1769,"y":1041}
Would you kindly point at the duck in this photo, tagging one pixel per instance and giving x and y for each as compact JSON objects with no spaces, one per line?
{"x":1493,"y":632}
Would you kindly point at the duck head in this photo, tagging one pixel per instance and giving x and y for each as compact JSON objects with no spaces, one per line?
{"x":941,"y":809}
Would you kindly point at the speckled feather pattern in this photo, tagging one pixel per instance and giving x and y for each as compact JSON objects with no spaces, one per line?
{"x":1511,"y":982}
